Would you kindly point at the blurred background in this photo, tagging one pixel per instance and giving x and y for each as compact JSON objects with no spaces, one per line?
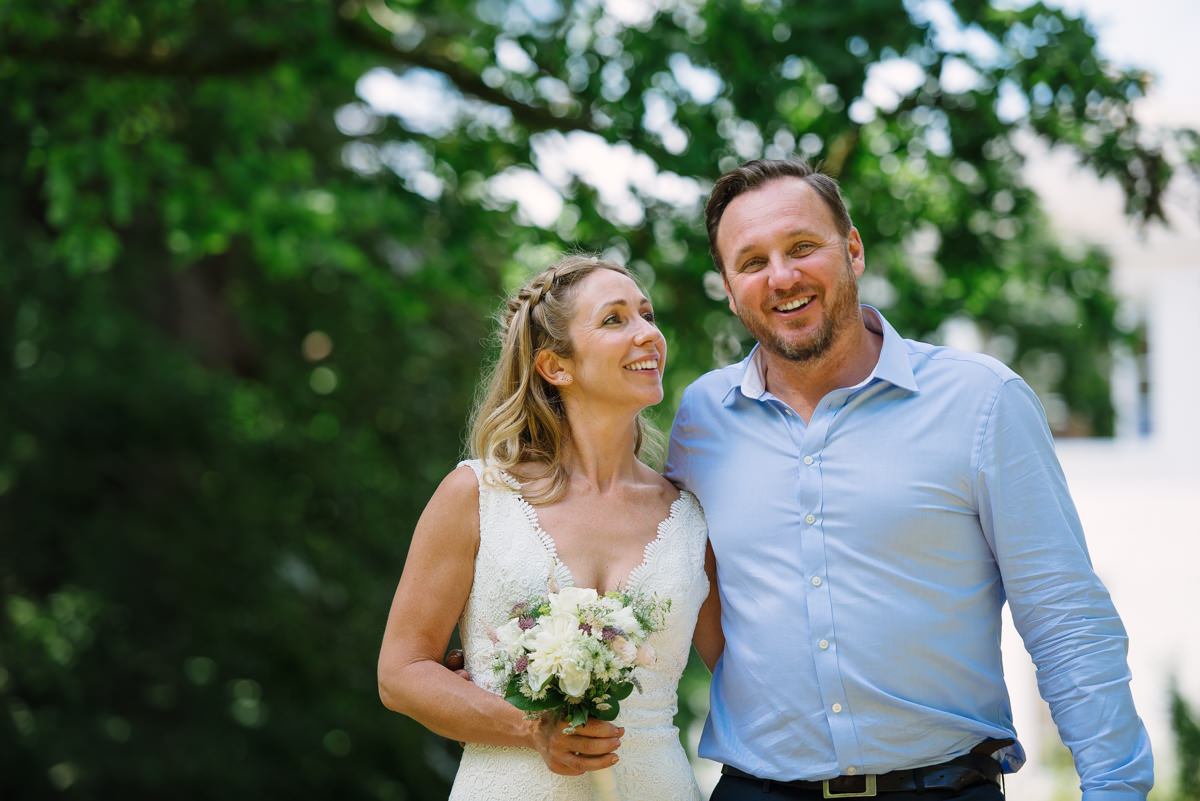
{"x":249,"y":254}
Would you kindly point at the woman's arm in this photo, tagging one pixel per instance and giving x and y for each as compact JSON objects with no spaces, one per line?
{"x":431,"y":595}
{"x":708,"y":637}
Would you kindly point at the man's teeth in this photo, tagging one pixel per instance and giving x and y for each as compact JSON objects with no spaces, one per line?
{"x":792,"y":304}
{"x":647,"y":364}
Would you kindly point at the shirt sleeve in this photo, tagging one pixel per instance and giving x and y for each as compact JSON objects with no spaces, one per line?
{"x":1060,"y":607}
{"x":676,"y":470}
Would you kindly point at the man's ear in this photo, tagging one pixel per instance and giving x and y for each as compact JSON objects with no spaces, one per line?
{"x":858,"y":254}
{"x":552,"y":367}
{"x":728,"y":292}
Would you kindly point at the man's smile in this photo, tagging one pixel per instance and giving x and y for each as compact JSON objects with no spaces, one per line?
{"x":792,"y":305}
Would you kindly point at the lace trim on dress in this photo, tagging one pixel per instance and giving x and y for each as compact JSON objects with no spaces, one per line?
{"x":494,"y":476}
{"x":648,"y":551}
{"x":539,"y":532}
{"x":653,"y":546}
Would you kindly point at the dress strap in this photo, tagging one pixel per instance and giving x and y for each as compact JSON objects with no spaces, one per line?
{"x":475,"y":465}
{"x":493,"y":478}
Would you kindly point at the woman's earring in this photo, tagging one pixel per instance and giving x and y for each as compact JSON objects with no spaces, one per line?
{"x":567,"y":379}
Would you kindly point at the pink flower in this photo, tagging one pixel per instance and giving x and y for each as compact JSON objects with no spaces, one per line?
{"x":624,"y":649}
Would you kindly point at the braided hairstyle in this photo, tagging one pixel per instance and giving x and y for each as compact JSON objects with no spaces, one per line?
{"x":519,"y":418}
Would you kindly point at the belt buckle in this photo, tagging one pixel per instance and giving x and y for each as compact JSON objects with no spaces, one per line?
{"x":867,"y":792}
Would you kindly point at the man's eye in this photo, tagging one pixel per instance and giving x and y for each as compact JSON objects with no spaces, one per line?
{"x":612,"y":318}
{"x":648,"y":317}
{"x":803,"y":247}
{"x":752,"y":265}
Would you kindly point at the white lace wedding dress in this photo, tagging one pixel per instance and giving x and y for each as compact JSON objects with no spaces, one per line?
{"x":515,"y":560}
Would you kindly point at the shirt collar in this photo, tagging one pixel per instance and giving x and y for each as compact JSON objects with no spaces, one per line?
{"x":893,"y":365}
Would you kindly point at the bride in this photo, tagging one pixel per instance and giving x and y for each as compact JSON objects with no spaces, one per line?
{"x":556,"y":496}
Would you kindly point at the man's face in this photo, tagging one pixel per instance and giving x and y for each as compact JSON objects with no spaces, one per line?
{"x":791,"y":278}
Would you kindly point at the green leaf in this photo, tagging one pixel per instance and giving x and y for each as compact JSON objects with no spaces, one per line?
{"x":621,"y":691}
{"x":607,"y":714}
{"x":578,"y":715}
{"x":527,"y":704}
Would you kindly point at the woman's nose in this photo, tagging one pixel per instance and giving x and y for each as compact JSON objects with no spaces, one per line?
{"x":647,"y":331}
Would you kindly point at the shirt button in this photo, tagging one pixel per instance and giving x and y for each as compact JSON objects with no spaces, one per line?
{"x":850,"y":771}
{"x":808,"y":460}
{"x":823,"y":644}
{"x":837,"y":709}
{"x":810,"y":519}
{"x":816,"y":581}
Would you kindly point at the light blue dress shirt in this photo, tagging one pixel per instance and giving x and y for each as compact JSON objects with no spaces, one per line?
{"x":863,"y":560}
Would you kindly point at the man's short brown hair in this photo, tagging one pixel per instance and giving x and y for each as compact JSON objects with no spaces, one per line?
{"x":754,"y":174}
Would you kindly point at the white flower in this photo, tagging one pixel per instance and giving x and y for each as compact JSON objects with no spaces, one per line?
{"x":569,"y":599}
{"x":549,"y":643}
{"x":510,"y":640}
{"x":509,"y":634}
{"x":552,"y":633}
{"x":610,"y":603}
{"x":624,"y":620}
{"x":575,"y":679}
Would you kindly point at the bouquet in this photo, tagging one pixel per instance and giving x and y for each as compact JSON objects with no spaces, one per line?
{"x":573,"y":653}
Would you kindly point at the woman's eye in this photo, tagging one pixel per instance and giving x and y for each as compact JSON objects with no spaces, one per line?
{"x":611,"y":319}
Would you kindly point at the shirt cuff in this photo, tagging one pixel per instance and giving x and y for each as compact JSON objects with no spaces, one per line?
{"x":1128,"y":794}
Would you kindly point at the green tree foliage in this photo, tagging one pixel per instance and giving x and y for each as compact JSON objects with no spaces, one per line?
{"x":242,"y":309}
{"x":1186,"y":725}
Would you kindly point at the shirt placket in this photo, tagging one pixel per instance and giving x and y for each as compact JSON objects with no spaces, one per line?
{"x":819,"y":589}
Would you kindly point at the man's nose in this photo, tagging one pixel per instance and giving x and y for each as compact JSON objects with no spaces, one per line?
{"x":781,"y":272}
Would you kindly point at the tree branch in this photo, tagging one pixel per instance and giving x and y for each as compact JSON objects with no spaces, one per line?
{"x":427,"y":55}
{"x":533,"y":117}
{"x":182,"y":64}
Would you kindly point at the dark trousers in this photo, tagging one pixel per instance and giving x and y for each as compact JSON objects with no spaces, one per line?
{"x":734,"y":788}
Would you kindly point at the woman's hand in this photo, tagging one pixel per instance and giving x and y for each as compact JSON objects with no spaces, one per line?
{"x":592,"y":746}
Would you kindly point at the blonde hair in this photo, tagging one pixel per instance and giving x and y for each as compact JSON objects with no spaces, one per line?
{"x":519,"y":418}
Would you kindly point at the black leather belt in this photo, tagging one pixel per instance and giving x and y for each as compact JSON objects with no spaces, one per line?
{"x":956,"y":774}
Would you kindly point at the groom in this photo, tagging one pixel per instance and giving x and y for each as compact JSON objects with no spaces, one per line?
{"x":873,"y":502}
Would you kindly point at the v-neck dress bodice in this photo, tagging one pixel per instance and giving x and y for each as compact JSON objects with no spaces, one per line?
{"x":515,"y":562}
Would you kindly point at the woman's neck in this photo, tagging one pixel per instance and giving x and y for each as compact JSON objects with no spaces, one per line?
{"x":599,"y":452}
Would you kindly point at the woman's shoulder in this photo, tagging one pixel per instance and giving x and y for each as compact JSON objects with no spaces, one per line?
{"x":452,"y":514}
{"x":460,"y":485}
